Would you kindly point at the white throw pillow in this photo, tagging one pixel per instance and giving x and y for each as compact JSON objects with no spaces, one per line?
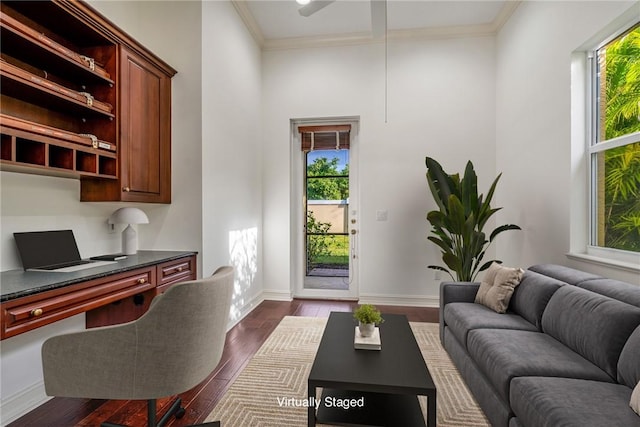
{"x":635,"y":399}
{"x":497,"y":286}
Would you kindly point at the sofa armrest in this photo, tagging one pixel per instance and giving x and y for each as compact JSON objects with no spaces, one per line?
{"x":455,"y":292}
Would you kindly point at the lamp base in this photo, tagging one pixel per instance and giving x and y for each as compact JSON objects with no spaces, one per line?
{"x":129,"y":241}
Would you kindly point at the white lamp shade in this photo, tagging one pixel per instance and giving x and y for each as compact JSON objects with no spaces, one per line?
{"x":129,"y":235}
{"x":128,"y":216}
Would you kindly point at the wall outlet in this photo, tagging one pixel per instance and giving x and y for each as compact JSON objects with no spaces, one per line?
{"x":437,"y":275}
{"x":382,"y":215}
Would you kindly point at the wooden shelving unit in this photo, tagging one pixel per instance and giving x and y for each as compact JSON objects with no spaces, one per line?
{"x":54,"y":91}
{"x":73,"y":90}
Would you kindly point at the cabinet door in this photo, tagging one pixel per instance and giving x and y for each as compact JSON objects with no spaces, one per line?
{"x":145,"y":130}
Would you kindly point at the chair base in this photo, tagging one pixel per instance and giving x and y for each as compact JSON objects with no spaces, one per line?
{"x":175,"y":409}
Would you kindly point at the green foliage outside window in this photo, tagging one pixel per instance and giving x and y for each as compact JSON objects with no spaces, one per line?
{"x":619,"y":222}
{"x":321,"y":188}
{"x":318,"y":241}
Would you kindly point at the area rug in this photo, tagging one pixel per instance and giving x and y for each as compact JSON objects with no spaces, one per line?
{"x":280,"y":368}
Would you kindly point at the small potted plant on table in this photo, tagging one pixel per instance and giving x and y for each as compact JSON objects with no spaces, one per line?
{"x":368,"y":317}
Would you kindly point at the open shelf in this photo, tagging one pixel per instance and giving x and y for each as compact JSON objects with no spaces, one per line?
{"x":31,"y":152}
{"x":46,"y":153}
{"x":34,"y":93}
{"x":42,"y":56}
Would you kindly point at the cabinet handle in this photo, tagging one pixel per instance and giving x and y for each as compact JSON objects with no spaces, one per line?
{"x":37,"y":312}
{"x":180,"y":269}
{"x":126,"y":189}
{"x":141,"y":281}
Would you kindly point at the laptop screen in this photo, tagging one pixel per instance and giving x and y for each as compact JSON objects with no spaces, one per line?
{"x":44,"y":248}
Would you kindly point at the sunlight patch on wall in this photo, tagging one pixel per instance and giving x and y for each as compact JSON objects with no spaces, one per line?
{"x":243,"y":255}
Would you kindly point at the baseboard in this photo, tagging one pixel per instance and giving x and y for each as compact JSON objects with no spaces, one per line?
{"x":273,"y":295}
{"x":405,"y":300}
{"x":243,"y":311}
{"x":17,"y":405}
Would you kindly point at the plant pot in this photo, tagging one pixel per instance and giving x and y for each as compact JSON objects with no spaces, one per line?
{"x":366,"y":329}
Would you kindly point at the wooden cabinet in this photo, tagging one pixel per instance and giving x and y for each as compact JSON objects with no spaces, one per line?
{"x":81,"y":98}
{"x":145,"y":136}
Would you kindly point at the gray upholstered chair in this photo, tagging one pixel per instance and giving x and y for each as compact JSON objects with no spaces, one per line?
{"x":173,"y":347}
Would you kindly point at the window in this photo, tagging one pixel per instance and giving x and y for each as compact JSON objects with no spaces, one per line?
{"x":614,"y":142}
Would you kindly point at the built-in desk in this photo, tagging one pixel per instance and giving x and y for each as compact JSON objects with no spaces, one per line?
{"x":109,"y":294}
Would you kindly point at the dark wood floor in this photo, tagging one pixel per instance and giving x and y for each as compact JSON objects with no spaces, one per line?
{"x":243,"y":340}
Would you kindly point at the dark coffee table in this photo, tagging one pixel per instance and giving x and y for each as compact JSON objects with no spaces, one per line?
{"x":369,"y":387}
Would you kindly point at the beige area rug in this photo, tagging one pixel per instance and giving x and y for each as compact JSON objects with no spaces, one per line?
{"x":281,"y":366}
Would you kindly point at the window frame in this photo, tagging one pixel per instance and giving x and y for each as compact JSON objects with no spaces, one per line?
{"x":595,"y":146}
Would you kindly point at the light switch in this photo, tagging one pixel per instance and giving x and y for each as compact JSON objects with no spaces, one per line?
{"x":381,"y":215}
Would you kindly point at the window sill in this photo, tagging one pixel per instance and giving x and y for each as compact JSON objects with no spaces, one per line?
{"x":607,"y":262}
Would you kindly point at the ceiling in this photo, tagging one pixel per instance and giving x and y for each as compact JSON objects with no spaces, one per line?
{"x":275,"y":22}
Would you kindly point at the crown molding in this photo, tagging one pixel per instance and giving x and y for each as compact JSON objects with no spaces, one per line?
{"x":249,"y":21}
{"x":351,"y":39}
{"x":505,"y":13}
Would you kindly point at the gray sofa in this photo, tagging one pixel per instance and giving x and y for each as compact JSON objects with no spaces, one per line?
{"x":566,"y":352}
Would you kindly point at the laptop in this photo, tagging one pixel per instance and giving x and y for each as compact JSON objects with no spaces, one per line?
{"x":55,"y":251}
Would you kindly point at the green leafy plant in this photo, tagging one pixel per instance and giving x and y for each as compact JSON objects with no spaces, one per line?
{"x":318,"y":242}
{"x":368,"y":313}
{"x":458,"y":223}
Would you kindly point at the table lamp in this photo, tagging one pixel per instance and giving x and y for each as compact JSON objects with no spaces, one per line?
{"x":129,"y":236}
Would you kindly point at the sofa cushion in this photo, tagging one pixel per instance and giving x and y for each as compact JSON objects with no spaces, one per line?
{"x":634,"y":402}
{"x":595,"y":326}
{"x":497,"y":287}
{"x":564,"y":274}
{"x":622,"y":291}
{"x":462,"y":317}
{"x":629,"y":362}
{"x":532,"y":295}
{"x":570,"y":402}
{"x":502,"y":354}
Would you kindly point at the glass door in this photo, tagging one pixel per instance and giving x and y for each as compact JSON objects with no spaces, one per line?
{"x":327,"y":246}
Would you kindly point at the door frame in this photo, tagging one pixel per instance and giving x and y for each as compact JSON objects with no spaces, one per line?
{"x":297,"y":244}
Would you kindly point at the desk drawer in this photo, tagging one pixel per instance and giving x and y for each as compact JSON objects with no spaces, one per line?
{"x":175,"y":271}
{"x":24,"y":314}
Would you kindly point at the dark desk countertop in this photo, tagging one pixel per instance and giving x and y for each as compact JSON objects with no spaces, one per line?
{"x":20,"y":283}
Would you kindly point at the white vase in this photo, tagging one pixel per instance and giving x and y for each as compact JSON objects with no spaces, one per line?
{"x":366,"y":329}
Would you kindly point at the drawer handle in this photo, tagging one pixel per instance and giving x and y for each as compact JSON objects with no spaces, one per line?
{"x":36,"y":312}
{"x":126,"y":189}
{"x":142,"y":280}
{"x":180,"y":269}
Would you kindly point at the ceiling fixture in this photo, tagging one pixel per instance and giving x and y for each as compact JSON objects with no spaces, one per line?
{"x":378,"y":13}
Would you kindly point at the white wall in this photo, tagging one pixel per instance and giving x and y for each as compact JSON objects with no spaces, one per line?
{"x":231,"y":152}
{"x":534,"y":140}
{"x":441,"y":97}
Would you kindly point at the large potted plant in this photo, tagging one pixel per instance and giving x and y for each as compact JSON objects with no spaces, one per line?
{"x":457,"y":225}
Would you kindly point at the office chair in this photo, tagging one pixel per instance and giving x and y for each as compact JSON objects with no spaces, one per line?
{"x":170,"y":349}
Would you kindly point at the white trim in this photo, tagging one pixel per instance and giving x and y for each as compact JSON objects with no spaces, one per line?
{"x":620,"y":141}
{"x":249,"y":21}
{"x":276,"y":295}
{"x":26,"y":400}
{"x":592,"y":253}
{"x":405,"y":300}
{"x":297,"y":244}
{"x":606,"y":262}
